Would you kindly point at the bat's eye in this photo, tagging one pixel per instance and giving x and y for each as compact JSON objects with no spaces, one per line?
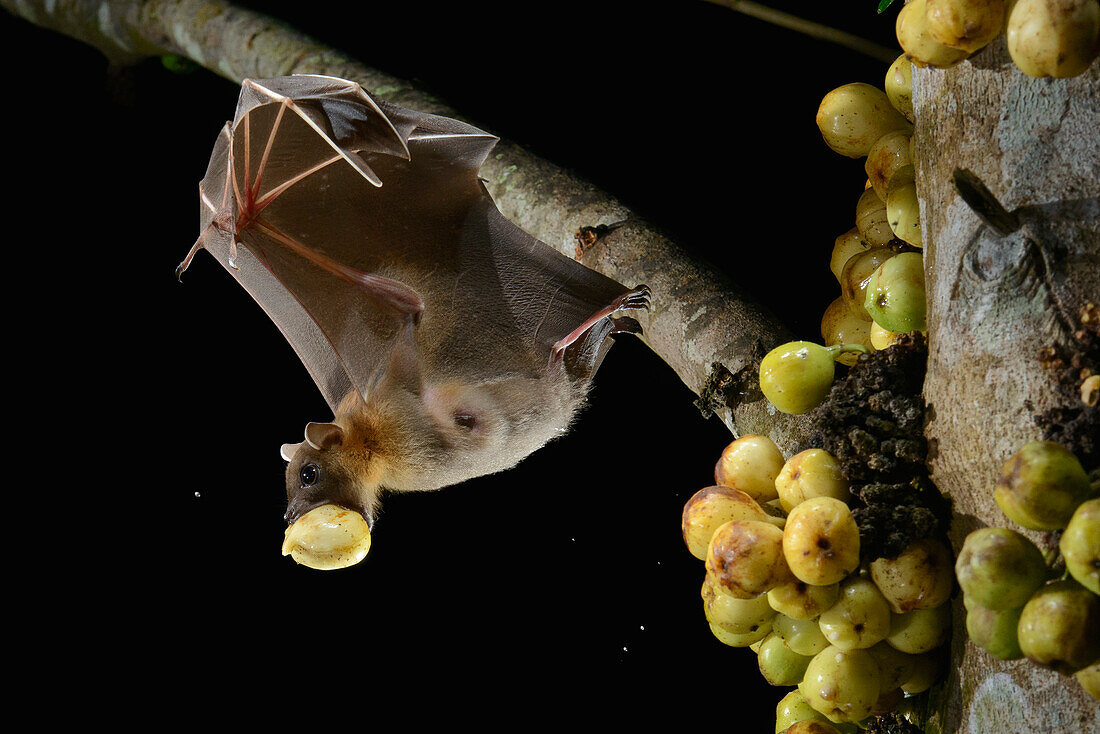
{"x":309,"y":474}
{"x":465,"y":420}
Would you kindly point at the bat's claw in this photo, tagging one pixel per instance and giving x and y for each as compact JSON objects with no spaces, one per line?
{"x":188,"y":258}
{"x":636,"y":299}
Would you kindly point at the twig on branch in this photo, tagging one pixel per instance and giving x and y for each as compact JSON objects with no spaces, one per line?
{"x":809,"y":28}
{"x":700,"y":324}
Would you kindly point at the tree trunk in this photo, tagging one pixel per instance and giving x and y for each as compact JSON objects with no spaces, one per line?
{"x":995,"y":301}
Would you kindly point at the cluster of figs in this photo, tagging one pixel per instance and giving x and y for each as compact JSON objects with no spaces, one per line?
{"x":784,"y":578}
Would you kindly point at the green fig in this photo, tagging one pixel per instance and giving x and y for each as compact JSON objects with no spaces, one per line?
{"x":895,"y":294}
{"x":920,"y":630}
{"x":1060,"y":627}
{"x":1089,"y":678}
{"x":1080,"y":545}
{"x":999,"y":568}
{"x":779,"y":664}
{"x":994,"y":631}
{"x":793,"y":708}
{"x":1041,"y":485}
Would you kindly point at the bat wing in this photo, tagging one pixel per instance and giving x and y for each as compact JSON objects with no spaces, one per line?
{"x":362,"y":230}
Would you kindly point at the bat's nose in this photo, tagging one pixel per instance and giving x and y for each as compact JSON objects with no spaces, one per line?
{"x":300,"y":506}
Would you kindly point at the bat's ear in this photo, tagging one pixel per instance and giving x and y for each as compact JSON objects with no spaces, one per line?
{"x":287,"y":450}
{"x":321,"y":436}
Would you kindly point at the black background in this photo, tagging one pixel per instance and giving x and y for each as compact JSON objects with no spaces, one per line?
{"x":160,"y":407}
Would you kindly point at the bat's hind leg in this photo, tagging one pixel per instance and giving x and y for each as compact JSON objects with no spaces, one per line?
{"x":582,"y":350}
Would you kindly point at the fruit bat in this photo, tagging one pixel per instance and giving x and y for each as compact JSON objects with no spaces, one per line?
{"x":447,"y":342}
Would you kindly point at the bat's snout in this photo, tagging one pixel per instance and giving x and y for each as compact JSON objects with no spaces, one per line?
{"x":327,"y":537}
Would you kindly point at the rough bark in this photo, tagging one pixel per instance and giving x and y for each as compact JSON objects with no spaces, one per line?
{"x":994,"y":302}
{"x":700,"y":323}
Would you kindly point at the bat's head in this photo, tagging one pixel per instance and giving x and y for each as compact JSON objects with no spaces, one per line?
{"x":321,"y":470}
{"x":341,"y":468}
{"x":331,"y":504}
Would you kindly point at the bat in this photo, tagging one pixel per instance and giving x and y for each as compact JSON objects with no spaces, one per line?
{"x":448,"y":342}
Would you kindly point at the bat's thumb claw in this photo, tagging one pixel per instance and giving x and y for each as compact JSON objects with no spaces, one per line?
{"x":190,"y":256}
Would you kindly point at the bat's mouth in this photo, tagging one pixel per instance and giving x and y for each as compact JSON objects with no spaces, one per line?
{"x":297,"y":508}
{"x":327,"y":536}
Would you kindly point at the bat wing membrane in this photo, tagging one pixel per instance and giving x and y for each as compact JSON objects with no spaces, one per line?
{"x":350,"y":220}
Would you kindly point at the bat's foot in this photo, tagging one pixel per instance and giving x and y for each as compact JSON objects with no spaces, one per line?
{"x":636,"y":299}
{"x":581,"y":351}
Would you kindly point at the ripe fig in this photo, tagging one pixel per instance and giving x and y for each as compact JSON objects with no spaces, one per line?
{"x":750,"y":464}
{"x":852,"y":117}
{"x":845,"y":247}
{"x":917,"y":42}
{"x":842,"y":684}
{"x":921,"y":577}
{"x":1057,"y":38}
{"x":821,"y":541}
{"x":899,"y":86}
{"x":745,"y":558}
{"x":859,"y":619}
{"x":800,"y":600}
{"x":712,"y":507}
{"x":871,"y":219}
{"x":840,"y":325}
{"x":734,"y":639}
{"x":811,"y":473}
{"x":739,"y":616}
{"x":964,"y":24}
